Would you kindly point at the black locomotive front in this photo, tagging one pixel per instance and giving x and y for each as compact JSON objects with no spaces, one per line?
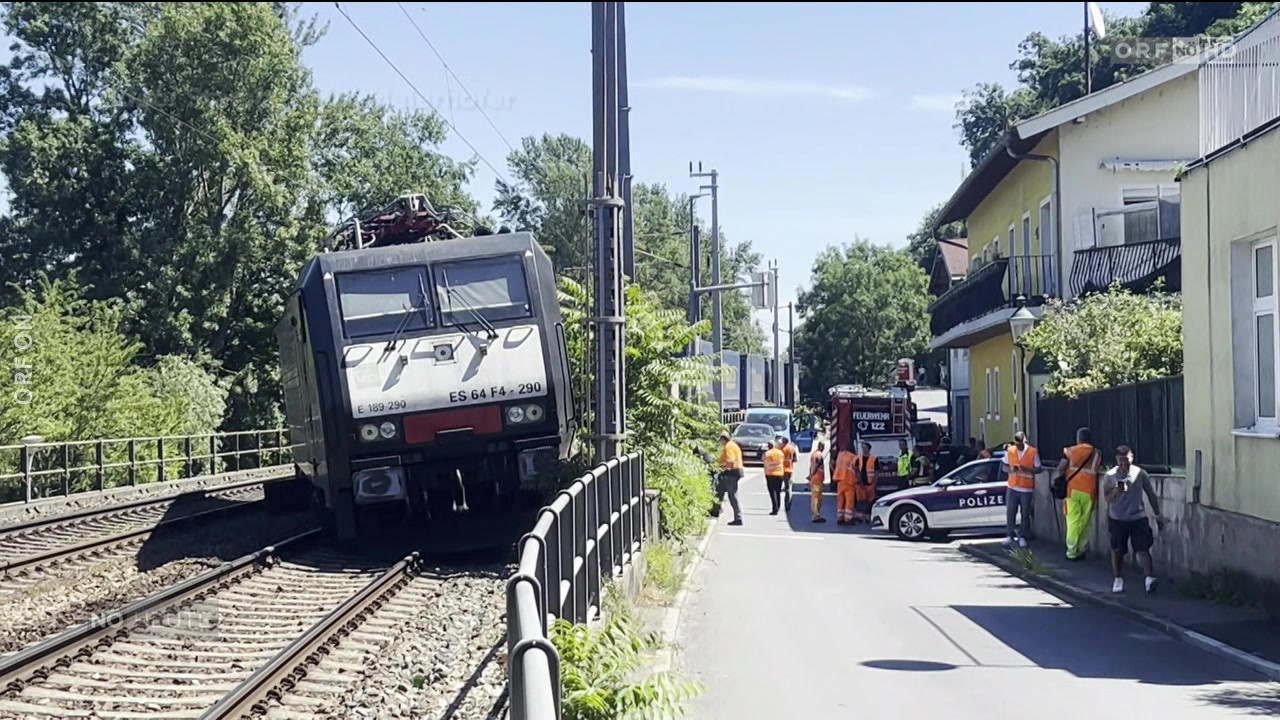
{"x":438,"y":379}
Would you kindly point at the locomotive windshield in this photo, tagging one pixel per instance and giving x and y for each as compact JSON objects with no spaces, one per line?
{"x":382,"y":302}
{"x":493,"y":288}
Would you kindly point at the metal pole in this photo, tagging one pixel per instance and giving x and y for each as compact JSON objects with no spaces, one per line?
{"x":717,"y":317}
{"x":608,"y":209}
{"x":777,"y":355}
{"x":695,"y":263}
{"x":791,"y":355}
{"x":624,"y":147}
{"x":1088,"y":71}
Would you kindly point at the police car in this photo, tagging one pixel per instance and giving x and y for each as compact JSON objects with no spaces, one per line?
{"x":971,"y":497}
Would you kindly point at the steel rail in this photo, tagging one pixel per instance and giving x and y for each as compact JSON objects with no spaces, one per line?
{"x":25,"y":526}
{"x":66,"y":551}
{"x":41,"y":659}
{"x":289,"y":665}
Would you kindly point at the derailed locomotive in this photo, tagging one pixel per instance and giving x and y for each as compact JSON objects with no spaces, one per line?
{"x":425,"y":378}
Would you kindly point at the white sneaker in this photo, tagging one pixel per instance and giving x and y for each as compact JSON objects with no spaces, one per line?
{"x":1151,"y":584}
{"x":1022,"y":542}
{"x":1118,"y":585}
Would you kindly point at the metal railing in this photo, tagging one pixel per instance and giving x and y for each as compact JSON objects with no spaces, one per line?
{"x":1133,"y":264}
{"x":995,"y":286}
{"x":732,"y":417}
{"x":59,"y":469}
{"x":1240,"y":86}
{"x":589,"y":533}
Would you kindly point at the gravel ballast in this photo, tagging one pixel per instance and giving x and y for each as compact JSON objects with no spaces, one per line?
{"x":77,"y":591}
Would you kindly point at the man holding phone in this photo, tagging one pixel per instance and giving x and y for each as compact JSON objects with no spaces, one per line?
{"x":1125,"y":486}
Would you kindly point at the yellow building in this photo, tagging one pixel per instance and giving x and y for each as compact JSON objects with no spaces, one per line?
{"x":1066,"y":203}
{"x":1231,"y":281}
{"x":1007,"y":205}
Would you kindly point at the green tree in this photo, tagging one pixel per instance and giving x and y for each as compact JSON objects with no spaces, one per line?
{"x":1051,"y":72}
{"x":1108,"y":339}
{"x":866,"y":308}
{"x":178,"y":157}
{"x":75,"y":375}
{"x":922,"y":243}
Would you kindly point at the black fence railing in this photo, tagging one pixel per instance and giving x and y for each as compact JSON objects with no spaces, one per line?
{"x":37,"y":470}
{"x":1136,"y":265}
{"x":994,"y":286}
{"x":732,"y":417}
{"x":588,"y":534}
{"x":1146,"y":416}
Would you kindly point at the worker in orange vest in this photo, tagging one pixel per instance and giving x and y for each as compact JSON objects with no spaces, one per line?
{"x":789,"y":454}
{"x":1022,"y":462}
{"x":731,"y":471}
{"x":864,"y":489}
{"x":774,"y":474}
{"x":817,"y":478}
{"x":1080,"y":465}
{"x":843,"y":475}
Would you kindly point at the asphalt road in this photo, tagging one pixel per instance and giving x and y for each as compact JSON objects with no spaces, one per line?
{"x":791,"y":620}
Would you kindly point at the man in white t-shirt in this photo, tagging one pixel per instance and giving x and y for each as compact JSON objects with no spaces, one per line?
{"x":1124,"y":486}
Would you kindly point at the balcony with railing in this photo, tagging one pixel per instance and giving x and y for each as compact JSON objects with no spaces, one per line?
{"x":1240,"y":86}
{"x":994,"y":286}
{"x":1136,"y":245}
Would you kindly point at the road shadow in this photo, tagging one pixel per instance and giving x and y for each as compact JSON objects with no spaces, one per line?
{"x":1262,"y":699}
{"x":1078,"y":632}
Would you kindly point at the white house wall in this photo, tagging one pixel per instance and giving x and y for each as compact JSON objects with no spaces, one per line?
{"x":1160,"y":124}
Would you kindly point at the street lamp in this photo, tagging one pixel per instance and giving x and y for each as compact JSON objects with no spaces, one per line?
{"x":1020,"y":323}
{"x":28,"y":450}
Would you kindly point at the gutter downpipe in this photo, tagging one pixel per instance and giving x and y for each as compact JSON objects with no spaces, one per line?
{"x":1057,"y":212}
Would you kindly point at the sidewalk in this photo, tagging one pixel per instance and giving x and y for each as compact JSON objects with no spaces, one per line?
{"x":1247,"y":636}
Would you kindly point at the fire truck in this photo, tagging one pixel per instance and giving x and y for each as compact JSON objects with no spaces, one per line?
{"x":882,"y":418}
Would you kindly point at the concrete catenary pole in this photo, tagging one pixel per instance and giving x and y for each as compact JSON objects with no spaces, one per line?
{"x":608,"y":208}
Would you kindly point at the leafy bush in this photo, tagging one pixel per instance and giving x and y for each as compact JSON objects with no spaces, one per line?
{"x":1109,"y":339}
{"x":597,"y":668}
{"x":78,"y":377}
{"x":666,"y":425}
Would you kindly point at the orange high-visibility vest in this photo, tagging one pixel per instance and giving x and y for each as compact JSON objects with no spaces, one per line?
{"x":844,"y":468}
{"x":789,"y":457}
{"x":773,"y":462}
{"x":730,"y":456}
{"x":870,"y":464}
{"x":1020,"y":467}
{"x":817,"y":469}
{"x":1081,"y":462}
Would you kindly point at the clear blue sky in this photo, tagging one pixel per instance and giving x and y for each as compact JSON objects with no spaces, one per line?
{"x":825,"y":120}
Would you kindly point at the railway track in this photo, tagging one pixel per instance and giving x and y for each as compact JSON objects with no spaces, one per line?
{"x":285,"y":632}
{"x":29,"y":551}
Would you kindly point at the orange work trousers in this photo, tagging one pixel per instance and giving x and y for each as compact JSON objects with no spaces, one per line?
{"x":864,"y":493}
{"x":844,"y":499}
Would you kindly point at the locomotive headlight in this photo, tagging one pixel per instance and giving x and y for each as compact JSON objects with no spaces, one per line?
{"x":368,"y":432}
{"x":533,"y":413}
{"x":515,"y":414}
{"x":387,"y":429}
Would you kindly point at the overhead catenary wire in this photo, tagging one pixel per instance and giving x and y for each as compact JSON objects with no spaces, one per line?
{"x":454,"y":75}
{"x":418,"y":92}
